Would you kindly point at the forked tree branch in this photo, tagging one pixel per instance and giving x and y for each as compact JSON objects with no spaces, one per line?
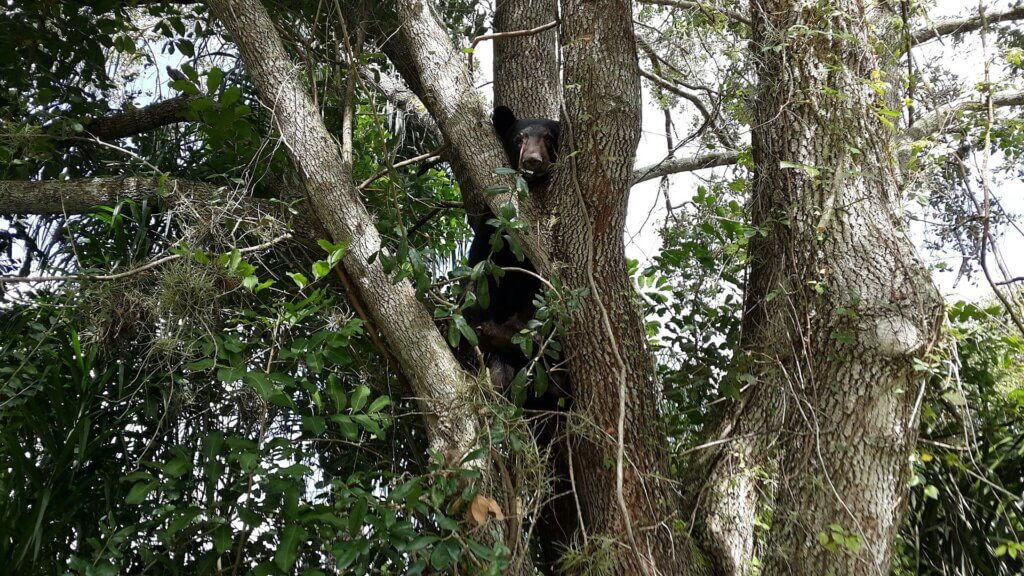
{"x":437,"y":380}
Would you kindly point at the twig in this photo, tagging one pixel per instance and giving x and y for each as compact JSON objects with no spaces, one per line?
{"x":986,"y":201}
{"x":714,"y":443}
{"x":705,"y":9}
{"x":510,"y":34}
{"x":432,"y":155}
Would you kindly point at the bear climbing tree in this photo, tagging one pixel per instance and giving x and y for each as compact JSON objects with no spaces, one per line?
{"x":508,"y":306}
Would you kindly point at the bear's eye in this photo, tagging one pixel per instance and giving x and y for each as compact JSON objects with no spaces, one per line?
{"x":519,"y":139}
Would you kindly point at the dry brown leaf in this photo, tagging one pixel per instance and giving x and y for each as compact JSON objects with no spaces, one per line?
{"x":481,"y":507}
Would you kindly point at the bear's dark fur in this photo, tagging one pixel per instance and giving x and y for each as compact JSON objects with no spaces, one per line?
{"x":532,"y":147}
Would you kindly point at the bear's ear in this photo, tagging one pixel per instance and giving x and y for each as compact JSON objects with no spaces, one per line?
{"x":503,"y":119}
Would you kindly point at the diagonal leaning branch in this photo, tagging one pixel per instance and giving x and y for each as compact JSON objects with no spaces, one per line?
{"x":425,"y":56}
{"x":437,"y":380}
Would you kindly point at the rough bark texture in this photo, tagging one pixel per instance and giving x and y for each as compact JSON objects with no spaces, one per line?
{"x":526,"y":75}
{"x":838,"y":305}
{"x":614,"y":417}
{"x":140,"y":120}
{"x":54,"y":197}
{"x":724,"y":480}
{"x":436,"y":378}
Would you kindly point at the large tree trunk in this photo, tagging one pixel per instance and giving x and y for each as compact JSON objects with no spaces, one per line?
{"x":526,"y":76}
{"x":618,"y":448}
{"x":628,"y":502}
{"x":838,"y":306}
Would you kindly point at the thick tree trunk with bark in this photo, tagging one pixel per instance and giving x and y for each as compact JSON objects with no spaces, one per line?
{"x":838,"y":305}
{"x":436,"y":377}
{"x":526,"y":68}
{"x":618,"y":449}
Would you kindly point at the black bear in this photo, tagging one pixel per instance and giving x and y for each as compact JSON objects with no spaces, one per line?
{"x":532,"y":148}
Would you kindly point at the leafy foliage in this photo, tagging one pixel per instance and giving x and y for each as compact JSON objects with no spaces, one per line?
{"x":966,"y":511}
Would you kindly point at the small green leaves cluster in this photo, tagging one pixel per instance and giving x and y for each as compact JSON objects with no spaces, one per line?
{"x":836,"y":539}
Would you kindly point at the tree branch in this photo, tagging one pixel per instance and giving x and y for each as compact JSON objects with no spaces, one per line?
{"x":669,"y":86}
{"x":965,"y":24}
{"x":438,"y":382}
{"x":927,"y":125}
{"x":127,"y":273}
{"x":689,"y":4}
{"x":937,"y":120}
{"x":141,"y":120}
{"x":676,"y":165}
{"x":53,"y":197}
{"x":509,"y":34}
{"x":425,"y":56}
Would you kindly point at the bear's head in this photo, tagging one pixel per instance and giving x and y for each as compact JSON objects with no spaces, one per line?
{"x":531,"y":143}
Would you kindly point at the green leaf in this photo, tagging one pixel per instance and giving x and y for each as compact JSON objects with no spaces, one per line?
{"x":213,"y":79}
{"x":287,"y":549}
{"x":357,"y":515}
{"x":466,"y":331}
{"x":138,"y":492}
{"x":314,"y":362}
{"x":200,"y":365}
{"x":230,"y":96}
{"x":184,"y":86}
{"x":337,"y":393}
{"x":222,"y":538}
{"x":348,"y":427}
{"x":379,"y":404}
{"x":314,"y":424}
{"x":229,"y":375}
{"x":483,"y":293}
{"x":177,"y":466}
{"x":359,"y":397}
{"x":345,"y":554}
{"x":258,"y":380}
{"x":421,"y":542}
{"x":320,"y":269}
